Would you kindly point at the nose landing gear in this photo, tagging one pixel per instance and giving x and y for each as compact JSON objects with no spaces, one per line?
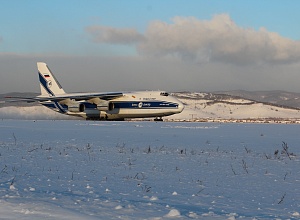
{"x":158,"y":119}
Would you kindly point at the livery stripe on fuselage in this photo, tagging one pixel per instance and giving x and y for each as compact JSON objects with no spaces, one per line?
{"x":59,"y":107}
{"x":152,"y":105}
{"x":119,"y":105}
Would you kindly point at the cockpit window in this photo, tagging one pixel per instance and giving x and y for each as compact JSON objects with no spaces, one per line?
{"x":164,"y":94}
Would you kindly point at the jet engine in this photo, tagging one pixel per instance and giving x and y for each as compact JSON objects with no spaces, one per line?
{"x":105,"y":105}
{"x":76,"y":107}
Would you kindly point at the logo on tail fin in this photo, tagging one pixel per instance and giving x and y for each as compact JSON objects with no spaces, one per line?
{"x":48,"y":83}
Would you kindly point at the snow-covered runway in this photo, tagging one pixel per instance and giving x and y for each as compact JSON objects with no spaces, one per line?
{"x":148,"y":170}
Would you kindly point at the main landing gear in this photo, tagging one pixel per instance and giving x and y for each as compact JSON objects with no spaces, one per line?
{"x":158,"y":119}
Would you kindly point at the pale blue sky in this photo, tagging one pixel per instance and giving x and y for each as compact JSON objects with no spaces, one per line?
{"x":214,"y":45}
{"x":55,"y":26}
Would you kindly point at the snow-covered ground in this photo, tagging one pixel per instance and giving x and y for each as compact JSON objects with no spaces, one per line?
{"x":147,"y":170}
{"x":230,"y":109}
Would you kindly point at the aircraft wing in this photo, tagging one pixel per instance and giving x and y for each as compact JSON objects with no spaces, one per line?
{"x":19,"y":99}
{"x":73,"y":96}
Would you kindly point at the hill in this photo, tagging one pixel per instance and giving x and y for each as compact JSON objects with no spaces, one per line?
{"x":283,"y":98}
{"x":214,"y":106}
{"x":234,"y":106}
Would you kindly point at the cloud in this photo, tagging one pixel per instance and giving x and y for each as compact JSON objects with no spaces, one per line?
{"x":217,"y":40}
{"x":103,"y":34}
{"x":18,"y":73}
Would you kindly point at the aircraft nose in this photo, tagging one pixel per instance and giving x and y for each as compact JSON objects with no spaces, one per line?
{"x":180,"y":107}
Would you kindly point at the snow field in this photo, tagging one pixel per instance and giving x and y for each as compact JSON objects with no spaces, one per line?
{"x":147,"y":170}
{"x":233,"y":109}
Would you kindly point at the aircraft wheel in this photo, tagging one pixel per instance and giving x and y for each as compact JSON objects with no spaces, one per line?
{"x":158,"y":119}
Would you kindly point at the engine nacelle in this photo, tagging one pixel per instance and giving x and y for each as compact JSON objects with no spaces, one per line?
{"x":76,"y":107}
{"x":105,"y":106}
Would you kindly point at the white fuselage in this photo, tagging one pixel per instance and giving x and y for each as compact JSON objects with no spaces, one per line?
{"x":129,"y":105}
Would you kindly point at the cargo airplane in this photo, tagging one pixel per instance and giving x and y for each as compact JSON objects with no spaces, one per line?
{"x":103,"y":106}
